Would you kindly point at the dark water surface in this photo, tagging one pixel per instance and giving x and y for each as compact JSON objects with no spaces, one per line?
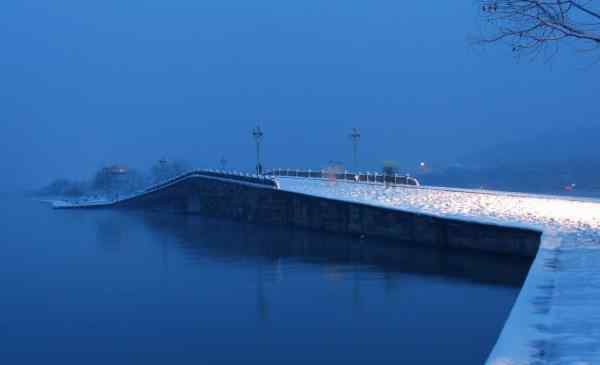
{"x":113,"y":287}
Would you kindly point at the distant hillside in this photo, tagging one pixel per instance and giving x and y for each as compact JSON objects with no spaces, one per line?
{"x":550,"y":163}
{"x":567,"y":144}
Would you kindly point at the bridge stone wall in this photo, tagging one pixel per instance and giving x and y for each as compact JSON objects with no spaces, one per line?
{"x":251,"y":203}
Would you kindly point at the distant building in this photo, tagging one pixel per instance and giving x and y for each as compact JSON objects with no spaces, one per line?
{"x":118,"y":169}
{"x":119,"y":177}
{"x":112,"y":178}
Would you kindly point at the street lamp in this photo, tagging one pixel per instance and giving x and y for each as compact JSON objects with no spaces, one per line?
{"x":223,"y":162}
{"x":258,"y":137}
{"x":355,"y":137}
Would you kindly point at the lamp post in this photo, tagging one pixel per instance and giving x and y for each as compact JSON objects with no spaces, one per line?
{"x":355,"y":137}
{"x":258,"y":137}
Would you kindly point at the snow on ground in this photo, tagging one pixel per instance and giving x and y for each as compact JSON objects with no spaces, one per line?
{"x":84,"y":201}
{"x":553,"y":215}
{"x":556,"y":318}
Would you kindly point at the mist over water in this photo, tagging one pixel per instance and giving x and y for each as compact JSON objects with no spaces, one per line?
{"x":89,"y":85}
{"x":108,"y":286}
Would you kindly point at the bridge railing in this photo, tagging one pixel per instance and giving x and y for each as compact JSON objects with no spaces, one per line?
{"x":266,"y":181}
{"x":229,"y":175}
{"x":359,"y":177}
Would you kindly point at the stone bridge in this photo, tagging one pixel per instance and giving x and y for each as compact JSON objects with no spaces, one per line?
{"x":556,"y":318}
{"x":259,"y":199}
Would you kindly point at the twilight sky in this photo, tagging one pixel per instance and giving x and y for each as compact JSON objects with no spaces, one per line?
{"x":84,"y":84}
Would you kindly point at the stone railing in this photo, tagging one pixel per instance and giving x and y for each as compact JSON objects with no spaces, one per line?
{"x":362,"y":177}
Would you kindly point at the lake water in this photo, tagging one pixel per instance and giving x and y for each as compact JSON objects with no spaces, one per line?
{"x":115,"y":287}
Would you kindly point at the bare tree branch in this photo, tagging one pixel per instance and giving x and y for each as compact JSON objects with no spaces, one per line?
{"x":533,"y":26}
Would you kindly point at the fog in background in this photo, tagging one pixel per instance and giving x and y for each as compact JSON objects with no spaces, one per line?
{"x":87,"y":84}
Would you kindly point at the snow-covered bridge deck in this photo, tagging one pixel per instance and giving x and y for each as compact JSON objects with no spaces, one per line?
{"x":556,"y":318}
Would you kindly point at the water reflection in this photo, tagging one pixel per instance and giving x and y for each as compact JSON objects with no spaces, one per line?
{"x":111,"y":233}
{"x":266,"y":249}
{"x":341,"y":256}
{"x":262,"y":305}
{"x":129,"y":288}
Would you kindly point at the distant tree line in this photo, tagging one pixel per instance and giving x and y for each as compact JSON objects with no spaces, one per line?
{"x":64,"y":187}
{"x":115,"y":179}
